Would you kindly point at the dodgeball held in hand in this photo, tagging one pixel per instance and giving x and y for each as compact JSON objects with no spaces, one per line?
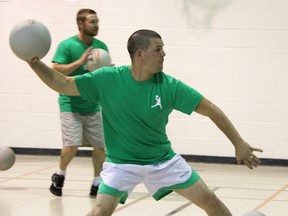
{"x":97,"y":58}
{"x":30,"y":39}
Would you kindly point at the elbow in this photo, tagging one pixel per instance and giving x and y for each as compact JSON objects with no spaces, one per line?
{"x":60,"y":85}
{"x":206,"y":108}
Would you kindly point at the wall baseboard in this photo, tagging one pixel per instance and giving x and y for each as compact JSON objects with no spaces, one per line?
{"x":189,"y":158}
{"x":232,"y":160}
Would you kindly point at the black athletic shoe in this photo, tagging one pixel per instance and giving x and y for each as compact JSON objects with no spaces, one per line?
{"x":94,"y":190}
{"x":57,"y":184}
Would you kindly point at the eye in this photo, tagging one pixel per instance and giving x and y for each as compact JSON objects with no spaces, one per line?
{"x":158,"y":49}
{"x":94,"y":21}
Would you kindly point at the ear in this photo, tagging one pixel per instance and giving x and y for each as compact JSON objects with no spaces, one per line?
{"x":139,"y":53}
{"x":80,"y":25}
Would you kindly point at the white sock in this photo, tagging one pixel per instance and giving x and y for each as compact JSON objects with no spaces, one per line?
{"x":96,"y":181}
{"x":61,"y":172}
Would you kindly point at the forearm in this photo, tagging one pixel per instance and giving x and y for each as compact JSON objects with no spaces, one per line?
{"x":213,"y":112}
{"x":225,"y":125}
{"x":67,"y":69}
{"x":53,"y":79}
{"x":243,"y":151}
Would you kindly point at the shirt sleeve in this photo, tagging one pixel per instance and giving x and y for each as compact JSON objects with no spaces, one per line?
{"x":61,"y":55}
{"x":186,"y":98}
{"x":88,"y":86}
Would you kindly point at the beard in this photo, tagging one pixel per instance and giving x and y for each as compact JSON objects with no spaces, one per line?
{"x":90,"y":33}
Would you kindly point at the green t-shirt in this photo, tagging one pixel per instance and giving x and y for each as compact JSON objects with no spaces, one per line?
{"x":135,"y":114}
{"x":67,"y":52}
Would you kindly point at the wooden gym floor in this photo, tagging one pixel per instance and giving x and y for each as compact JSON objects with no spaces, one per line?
{"x":24,"y":190}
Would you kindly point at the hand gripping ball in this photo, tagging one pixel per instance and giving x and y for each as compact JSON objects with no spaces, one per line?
{"x":97,"y":58}
{"x":29,"y":39}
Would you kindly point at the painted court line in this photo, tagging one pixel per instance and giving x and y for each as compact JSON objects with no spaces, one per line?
{"x":269,"y":199}
{"x":132,"y":203}
{"x":26,"y":174}
{"x":184,"y":206}
{"x":148,"y":195}
{"x":179,"y":209}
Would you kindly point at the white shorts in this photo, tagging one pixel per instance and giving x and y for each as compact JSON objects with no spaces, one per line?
{"x":161,"y":179}
{"x":82,"y":129}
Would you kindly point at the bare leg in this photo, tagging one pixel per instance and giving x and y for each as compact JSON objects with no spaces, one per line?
{"x":105,"y":205}
{"x":98,"y":158}
{"x":202,"y":196}
{"x":67,"y":154}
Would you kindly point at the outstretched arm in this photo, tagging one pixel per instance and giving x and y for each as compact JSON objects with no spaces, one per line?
{"x":54,"y":79}
{"x":243,"y":151}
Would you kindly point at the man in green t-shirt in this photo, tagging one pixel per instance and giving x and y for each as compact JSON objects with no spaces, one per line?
{"x":81,"y":120}
{"x":136,"y":101}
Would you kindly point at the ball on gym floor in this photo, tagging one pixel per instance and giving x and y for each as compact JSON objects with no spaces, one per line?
{"x":97,"y":58}
{"x":30,"y":38}
{"x":7,"y":158}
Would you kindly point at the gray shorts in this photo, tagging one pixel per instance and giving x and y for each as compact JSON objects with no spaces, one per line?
{"x":82,"y":129}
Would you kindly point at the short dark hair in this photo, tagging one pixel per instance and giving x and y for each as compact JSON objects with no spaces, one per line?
{"x":82,"y":13}
{"x":140,"y":40}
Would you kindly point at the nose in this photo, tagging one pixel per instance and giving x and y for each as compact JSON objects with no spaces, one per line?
{"x":163,"y":53}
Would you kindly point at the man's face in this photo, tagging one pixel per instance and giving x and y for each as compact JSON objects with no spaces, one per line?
{"x":153,"y":57}
{"x":91,"y":25}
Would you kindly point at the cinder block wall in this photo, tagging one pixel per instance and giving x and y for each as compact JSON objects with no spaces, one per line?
{"x":235,"y":52}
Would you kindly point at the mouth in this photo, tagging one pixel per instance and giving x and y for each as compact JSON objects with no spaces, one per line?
{"x":95,"y":30}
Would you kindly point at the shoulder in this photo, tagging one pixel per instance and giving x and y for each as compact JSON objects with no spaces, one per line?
{"x":66,"y":43}
{"x":166,"y":79}
{"x":173,"y":83}
{"x":108,"y":74}
{"x":69,"y":40}
{"x":111,"y":70}
{"x":99,"y":44}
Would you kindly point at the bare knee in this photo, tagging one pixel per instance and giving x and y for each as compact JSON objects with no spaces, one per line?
{"x":100,"y":210}
{"x":99,"y":150}
{"x":99,"y":153}
{"x":205,"y":198}
{"x":69,"y":150}
{"x":105,"y":205}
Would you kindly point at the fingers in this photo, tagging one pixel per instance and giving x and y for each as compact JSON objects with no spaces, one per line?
{"x":256,"y":149}
{"x":85,"y":55}
{"x":253,"y":160}
{"x":33,"y":60}
{"x":238,"y":160}
{"x":250,"y":159}
{"x":88,"y":50}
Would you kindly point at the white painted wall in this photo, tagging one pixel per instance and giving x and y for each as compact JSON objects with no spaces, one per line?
{"x":235,"y":52}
